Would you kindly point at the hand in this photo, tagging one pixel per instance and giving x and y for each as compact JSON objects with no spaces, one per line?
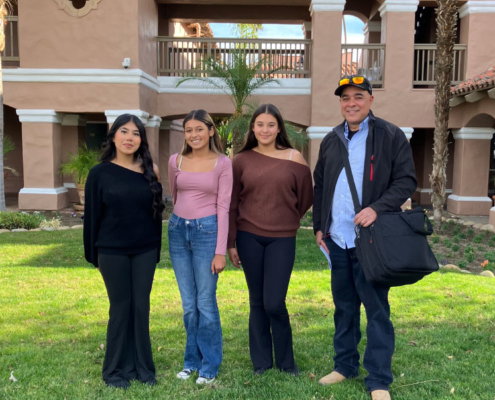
{"x":366,"y":217}
{"x":234,"y":257}
{"x":218,"y":264}
{"x":320,"y":241}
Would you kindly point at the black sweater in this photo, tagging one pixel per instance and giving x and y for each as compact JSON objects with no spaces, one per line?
{"x":118,"y":213}
{"x":389,"y":176}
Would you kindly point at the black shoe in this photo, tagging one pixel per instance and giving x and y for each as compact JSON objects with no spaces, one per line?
{"x":151,"y":382}
{"x":119,"y":384}
{"x":260,"y":371}
{"x":294,"y":371}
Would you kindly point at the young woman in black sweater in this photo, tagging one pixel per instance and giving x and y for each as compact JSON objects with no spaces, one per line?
{"x":122,"y":239}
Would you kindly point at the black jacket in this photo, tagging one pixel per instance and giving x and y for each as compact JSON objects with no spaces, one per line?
{"x":389,"y":177}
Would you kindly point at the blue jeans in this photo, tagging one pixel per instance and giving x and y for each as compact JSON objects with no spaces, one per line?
{"x":192,"y":245}
{"x":349,"y":289}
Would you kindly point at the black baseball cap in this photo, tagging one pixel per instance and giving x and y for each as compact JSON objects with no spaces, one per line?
{"x":353,"y":80}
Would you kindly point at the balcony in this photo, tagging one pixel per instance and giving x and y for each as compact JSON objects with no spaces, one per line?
{"x":367,"y":60}
{"x":180,"y":56}
{"x":10,"y":55}
{"x":425,"y":61}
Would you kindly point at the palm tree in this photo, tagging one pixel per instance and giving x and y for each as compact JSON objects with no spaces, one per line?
{"x":238,"y":79}
{"x":446,"y":33}
{"x":4,"y":10}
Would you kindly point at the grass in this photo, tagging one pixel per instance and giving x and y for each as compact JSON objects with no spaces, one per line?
{"x":53,"y":315}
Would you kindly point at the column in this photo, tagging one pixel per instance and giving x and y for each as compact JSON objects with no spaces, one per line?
{"x":41,"y":153}
{"x":326,"y":69}
{"x":152,"y":133}
{"x":471,"y":170}
{"x":306,"y":28}
{"x":476,"y":26}
{"x":397,"y":28}
{"x":73,"y":136}
{"x":113,"y":114}
{"x":372,"y":32}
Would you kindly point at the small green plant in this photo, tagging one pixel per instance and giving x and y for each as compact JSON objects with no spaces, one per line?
{"x":447,"y":243}
{"x":470,"y":232}
{"x":462,"y":264}
{"x":469,"y":254}
{"x":462,"y":235}
{"x":456,"y":230}
{"x":456,"y":239}
{"x":435,"y":239}
{"x":478,"y":239}
{"x":455,"y":247}
{"x":490,"y":256}
{"x":444,"y":227}
{"x":20,"y":220}
{"x":51,"y":223}
{"x":80,"y":163}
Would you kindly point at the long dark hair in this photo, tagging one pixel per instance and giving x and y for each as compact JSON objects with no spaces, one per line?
{"x":281,"y":142}
{"x":143,"y":153}
{"x":204,"y":117}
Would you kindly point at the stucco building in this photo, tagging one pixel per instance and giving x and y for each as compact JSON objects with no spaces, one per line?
{"x":64,"y":80}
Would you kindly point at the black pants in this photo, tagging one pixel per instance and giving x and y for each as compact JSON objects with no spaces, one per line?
{"x":267,"y":264}
{"x":349,"y":289}
{"x":128,"y":279}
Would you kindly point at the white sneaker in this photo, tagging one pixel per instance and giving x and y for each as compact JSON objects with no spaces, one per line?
{"x":185,"y":374}
{"x":204,"y":381}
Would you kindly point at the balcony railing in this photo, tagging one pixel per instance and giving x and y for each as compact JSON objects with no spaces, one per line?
{"x":364,"y":59}
{"x":425,"y":62}
{"x":10,"y":55}
{"x":180,"y":56}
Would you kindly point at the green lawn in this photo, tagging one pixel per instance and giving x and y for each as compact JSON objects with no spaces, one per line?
{"x":53,"y":314}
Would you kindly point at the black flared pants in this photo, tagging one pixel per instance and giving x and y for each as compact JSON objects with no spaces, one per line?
{"x":128,"y":279}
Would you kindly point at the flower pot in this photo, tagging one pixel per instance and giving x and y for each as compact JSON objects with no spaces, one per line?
{"x":80,"y":191}
{"x":78,"y":207}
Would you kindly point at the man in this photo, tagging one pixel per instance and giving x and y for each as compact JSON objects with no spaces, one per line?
{"x":383,"y":170}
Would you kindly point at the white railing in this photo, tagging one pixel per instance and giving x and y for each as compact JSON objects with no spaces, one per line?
{"x":180,"y":56}
{"x":364,"y":59}
{"x":425,"y":62}
{"x":11,"y":51}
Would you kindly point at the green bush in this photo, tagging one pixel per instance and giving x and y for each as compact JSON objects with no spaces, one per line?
{"x":462,"y":235}
{"x":435,"y":239}
{"x":470,"y":232}
{"x":457,"y":229}
{"x":456,"y":239}
{"x":20,"y":220}
{"x":478,"y":239}
{"x":447,"y":243}
{"x":444,"y":227}
{"x":490,"y":256}
{"x":455,"y":247}
{"x":462,"y":264}
{"x":469,"y":254}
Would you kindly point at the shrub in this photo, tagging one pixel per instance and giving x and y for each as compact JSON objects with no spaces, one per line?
{"x":478,"y":239}
{"x":462,"y":264}
{"x":457,"y":229}
{"x":455,"y":247}
{"x":447,"y":243}
{"x":444,"y":227}
{"x":469,"y":254}
{"x":470,"y":232}
{"x":435,"y":239}
{"x":462,"y":235}
{"x":20,"y":220}
{"x":456,"y":239}
{"x":52,"y":223}
{"x":490,"y":256}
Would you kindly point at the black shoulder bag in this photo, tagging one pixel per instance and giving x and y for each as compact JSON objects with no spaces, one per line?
{"x":393,"y":251}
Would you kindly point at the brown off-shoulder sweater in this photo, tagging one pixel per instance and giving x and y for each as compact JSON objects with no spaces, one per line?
{"x":269,"y":196}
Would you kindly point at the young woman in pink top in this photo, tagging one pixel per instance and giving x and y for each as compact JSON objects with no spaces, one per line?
{"x":200,"y":180}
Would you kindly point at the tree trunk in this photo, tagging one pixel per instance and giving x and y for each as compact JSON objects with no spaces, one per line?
{"x":446,"y":33}
{"x":237,"y":141}
{"x":3,"y":13}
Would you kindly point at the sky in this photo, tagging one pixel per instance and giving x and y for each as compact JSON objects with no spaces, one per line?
{"x":277,"y":31}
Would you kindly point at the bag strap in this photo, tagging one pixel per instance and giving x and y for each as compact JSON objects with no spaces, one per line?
{"x":427,"y":227}
{"x":350,"y":178}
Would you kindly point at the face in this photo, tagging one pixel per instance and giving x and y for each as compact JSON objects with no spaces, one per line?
{"x":197,"y":134}
{"x":266,"y":129}
{"x":127,"y":139}
{"x":355,"y":104}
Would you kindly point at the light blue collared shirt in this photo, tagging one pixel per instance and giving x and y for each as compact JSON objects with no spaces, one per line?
{"x":342,"y":226}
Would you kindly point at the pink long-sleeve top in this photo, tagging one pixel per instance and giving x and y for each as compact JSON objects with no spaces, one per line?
{"x":201,"y":194}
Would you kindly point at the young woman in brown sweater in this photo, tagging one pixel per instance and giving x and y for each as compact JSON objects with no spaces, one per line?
{"x":272,"y":190}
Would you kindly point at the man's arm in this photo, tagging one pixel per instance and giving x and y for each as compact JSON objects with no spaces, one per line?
{"x":403,"y":178}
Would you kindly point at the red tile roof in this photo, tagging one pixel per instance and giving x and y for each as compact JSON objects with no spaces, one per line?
{"x":486,"y":80}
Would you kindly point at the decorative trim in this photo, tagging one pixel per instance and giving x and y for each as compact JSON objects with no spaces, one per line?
{"x":423,"y":190}
{"x":398,"y":6}
{"x":113,"y":114}
{"x":176,"y":126}
{"x":407,"y":131}
{"x":318,"y":132}
{"x":69,"y":8}
{"x":70,"y":185}
{"x":483,"y":199}
{"x":55,"y":191}
{"x":326,"y":5}
{"x":307,"y":26}
{"x":473,"y":133}
{"x":285,"y":87}
{"x":50,"y":116}
{"x":77,"y":75}
{"x":154,"y":122}
{"x":372,"y":26}
{"x":73,"y":120}
{"x":165,"y":125}
{"x":476,"y":7}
